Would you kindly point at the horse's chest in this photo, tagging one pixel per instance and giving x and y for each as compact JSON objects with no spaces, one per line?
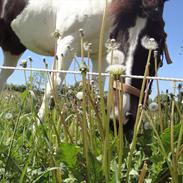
{"x":34,"y":27}
{"x":37,"y":23}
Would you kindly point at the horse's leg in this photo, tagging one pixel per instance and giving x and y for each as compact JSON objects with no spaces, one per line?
{"x":9,"y":60}
{"x":62,"y":63}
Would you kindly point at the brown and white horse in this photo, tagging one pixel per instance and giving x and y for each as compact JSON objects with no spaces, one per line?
{"x":135,"y":21}
{"x":30,"y":24}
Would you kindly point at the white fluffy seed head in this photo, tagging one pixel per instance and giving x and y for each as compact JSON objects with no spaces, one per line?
{"x":115,"y":57}
{"x":8,"y":116}
{"x":79,"y":95}
{"x":147,"y":126}
{"x":153,"y":107}
{"x":149,"y":43}
{"x":116,"y":69}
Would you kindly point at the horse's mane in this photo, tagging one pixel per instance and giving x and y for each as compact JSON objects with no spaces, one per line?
{"x":122,"y":6}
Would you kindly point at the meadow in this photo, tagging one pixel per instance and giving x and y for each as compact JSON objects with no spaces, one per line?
{"x":74,"y":143}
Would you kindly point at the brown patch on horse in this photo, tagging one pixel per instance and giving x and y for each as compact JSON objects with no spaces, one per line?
{"x":8,"y":39}
{"x":122,"y":6}
{"x":12,"y":9}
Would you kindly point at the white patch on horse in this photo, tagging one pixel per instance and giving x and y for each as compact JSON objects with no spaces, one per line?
{"x":133,"y":41}
{"x":3,"y":8}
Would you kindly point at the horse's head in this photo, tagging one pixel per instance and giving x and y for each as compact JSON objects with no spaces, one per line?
{"x":153,"y":9}
{"x":134,"y":23}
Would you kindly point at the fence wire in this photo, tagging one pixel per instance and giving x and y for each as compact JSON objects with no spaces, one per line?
{"x":90,"y":73}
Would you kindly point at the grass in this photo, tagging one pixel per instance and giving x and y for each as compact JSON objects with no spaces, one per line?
{"x":73,"y":144}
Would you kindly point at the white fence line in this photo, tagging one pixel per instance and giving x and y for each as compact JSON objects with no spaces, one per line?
{"x":89,"y":73}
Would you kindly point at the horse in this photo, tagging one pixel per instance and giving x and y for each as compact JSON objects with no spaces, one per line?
{"x":30,"y":24}
{"x":134,"y":24}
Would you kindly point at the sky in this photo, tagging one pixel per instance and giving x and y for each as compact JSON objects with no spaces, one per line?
{"x":173,"y":16}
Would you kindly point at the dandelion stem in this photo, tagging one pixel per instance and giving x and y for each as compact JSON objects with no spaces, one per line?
{"x":158,"y":93}
{"x":138,"y":117}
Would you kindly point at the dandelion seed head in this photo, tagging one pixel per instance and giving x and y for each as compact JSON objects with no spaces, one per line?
{"x":149,"y":43}
{"x":81,"y":31}
{"x":115,"y":57}
{"x":111,"y":44}
{"x":79,"y":95}
{"x":56,"y":34}
{"x":8,"y":116}
{"x":87,"y":46}
{"x":92,"y":82}
{"x":153,"y":107}
{"x":83,"y":67}
{"x":147,"y":126}
{"x":24,"y":63}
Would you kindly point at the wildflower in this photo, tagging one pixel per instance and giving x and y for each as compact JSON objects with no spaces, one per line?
{"x":56,"y":34}
{"x":149,"y":43}
{"x":92,"y":82}
{"x":133,"y":173}
{"x":115,"y":57}
{"x":98,"y":97}
{"x":79,"y":95}
{"x":116,"y":69}
{"x":12,"y":97}
{"x":81,"y":32}
{"x":8,"y":116}
{"x":153,"y":107}
{"x":30,"y":58}
{"x":111,"y":44}
{"x":147,"y":126}
{"x":87,"y":46}
{"x":24,"y":63}
{"x":83,"y":67}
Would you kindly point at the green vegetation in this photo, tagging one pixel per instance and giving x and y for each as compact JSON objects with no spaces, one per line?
{"x":72,"y":143}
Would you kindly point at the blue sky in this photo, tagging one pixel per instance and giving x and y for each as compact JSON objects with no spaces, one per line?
{"x":173,"y":16}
